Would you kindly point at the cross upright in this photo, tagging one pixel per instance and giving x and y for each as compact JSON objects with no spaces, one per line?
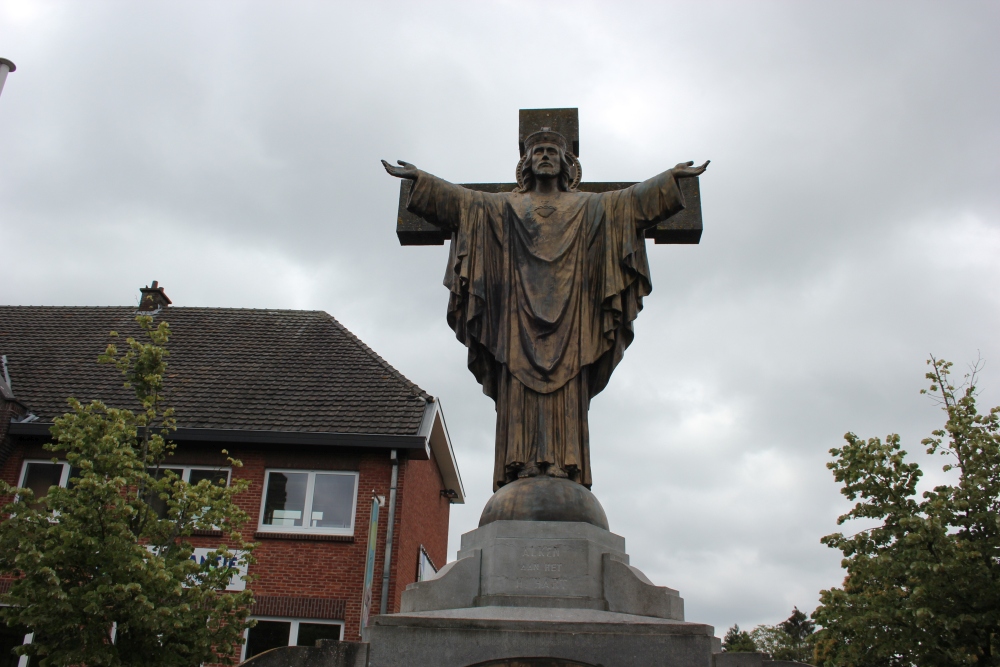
{"x":683,"y":227}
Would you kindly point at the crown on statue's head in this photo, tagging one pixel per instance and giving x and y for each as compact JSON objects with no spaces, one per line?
{"x":546,"y":135}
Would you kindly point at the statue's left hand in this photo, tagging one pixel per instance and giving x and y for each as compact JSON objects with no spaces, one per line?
{"x":685,"y":170}
{"x":405,"y":170}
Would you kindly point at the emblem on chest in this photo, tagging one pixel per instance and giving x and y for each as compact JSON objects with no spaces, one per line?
{"x":543,"y":211}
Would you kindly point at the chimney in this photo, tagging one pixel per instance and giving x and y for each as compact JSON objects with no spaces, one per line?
{"x":153,"y":299}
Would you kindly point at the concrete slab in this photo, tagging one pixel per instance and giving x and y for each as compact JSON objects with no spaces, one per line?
{"x":464,"y":637}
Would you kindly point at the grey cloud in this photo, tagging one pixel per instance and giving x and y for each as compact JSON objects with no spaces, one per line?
{"x":231,"y":152}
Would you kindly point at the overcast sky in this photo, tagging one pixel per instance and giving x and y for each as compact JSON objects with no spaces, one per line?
{"x":852,"y":220}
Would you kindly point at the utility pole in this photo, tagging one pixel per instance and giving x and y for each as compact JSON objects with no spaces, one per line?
{"x":6,"y":66}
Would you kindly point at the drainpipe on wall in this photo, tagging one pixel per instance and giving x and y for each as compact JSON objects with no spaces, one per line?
{"x":388,"y":532}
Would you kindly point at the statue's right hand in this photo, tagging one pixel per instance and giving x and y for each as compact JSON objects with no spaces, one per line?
{"x":406,"y":170}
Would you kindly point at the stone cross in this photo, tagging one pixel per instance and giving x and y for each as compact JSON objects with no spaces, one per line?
{"x":683,"y":227}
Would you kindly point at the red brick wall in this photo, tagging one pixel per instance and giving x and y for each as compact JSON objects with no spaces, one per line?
{"x":424,"y":515}
{"x":327,"y":570}
{"x":309,"y":568}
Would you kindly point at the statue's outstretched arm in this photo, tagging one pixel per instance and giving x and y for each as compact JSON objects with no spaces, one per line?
{"x":406,"y":170}
{"x":434,"y":199}
{"x":656,"y":199}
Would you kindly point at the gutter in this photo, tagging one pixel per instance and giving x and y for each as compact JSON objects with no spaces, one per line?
{"x":416,"y":446}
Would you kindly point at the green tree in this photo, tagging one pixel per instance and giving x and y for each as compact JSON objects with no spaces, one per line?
{"x":769,"y":639}
{"x":737,"y":640}
{"x":104,"y":574}
{"x":799,"y":630}
{"x":789,"y":640}
{"x":923,"y":585}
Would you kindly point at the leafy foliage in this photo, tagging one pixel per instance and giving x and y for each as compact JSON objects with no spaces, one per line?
{"x":789,"y":640}
{"x":798,"y":626}
{"x":923,"y":585}
{"x":102,"y":579}
{"x":738,"y":641}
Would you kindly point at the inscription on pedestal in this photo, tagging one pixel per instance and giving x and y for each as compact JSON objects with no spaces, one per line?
{"x":540,"y":569}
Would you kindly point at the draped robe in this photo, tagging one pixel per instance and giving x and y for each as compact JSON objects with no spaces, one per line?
{"x":544,"y":298}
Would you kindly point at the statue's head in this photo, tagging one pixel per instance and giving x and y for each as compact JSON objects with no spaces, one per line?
{"x":547,"y":155}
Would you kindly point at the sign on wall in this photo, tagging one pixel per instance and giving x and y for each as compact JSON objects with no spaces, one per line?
{"x":234,"y":562}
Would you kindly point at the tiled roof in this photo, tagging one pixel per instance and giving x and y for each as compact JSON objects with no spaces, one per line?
{"x":229,"y":368}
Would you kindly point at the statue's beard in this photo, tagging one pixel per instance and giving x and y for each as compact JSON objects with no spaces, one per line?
{"x":546,"y":170}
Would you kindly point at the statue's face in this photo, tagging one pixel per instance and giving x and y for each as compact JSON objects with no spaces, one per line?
{"x":546,"y":160}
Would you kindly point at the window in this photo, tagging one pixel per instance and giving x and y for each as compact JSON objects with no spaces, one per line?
{"x":189,"y":474}
{"x":40,"y":476}
{"x":271,"y":632}
{"x":309,"y":501}
{"x":11,"y":638}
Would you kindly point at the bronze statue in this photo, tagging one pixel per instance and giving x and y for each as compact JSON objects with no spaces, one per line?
{"x":545,"y":282}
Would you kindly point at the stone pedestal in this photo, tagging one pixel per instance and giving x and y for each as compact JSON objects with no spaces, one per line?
{"x":560,"y":590}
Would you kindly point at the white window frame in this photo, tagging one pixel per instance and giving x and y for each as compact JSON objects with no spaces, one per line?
{"x":22,"y":661}
{"x":186,"y":476}
{"x":293,"y":633}
{"x":307,"y":510}
{"x":186,"y":470}
{"x":63,"y":479}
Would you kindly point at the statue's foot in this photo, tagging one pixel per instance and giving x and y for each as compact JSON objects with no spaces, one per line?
{"x":530,"y":471}
{"x":556,"y":471}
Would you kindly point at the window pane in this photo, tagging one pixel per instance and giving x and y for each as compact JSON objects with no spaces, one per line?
{"x":219,"y":477}
{"x":9,"y":639}
{"x":40,"y":476}
{"x":333,"y":501}
{"x":158,"y":505}
{"x":267,"y":635}
{"x":286,"y":498}
{"x":310,"y":633}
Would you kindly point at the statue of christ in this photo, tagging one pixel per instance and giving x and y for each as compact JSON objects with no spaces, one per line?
{"x":545,"y":282}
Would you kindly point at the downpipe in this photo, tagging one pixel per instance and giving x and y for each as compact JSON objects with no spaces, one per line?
{"x":387,"y":568}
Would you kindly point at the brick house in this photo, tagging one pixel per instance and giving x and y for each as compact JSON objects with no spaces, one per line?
{"x":321,"y":423}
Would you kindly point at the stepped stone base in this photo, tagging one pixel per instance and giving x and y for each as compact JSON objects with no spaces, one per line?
{"x":539,"y":593}
{"x":566,"y":565}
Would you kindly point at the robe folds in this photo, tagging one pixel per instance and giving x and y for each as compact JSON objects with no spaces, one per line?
{"x":543,"y":292}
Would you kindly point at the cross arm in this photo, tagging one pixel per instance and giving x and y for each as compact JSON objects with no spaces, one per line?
{"x":681,"y":228}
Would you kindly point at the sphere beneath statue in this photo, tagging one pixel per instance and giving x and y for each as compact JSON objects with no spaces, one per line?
{"x":544,"y":498}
